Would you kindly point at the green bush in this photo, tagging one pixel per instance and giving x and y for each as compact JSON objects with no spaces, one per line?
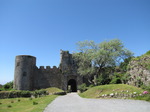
{"x":145,"y":97}
{"x":103,"y":79}
{"x":147,"y":53}
{"x":116,"y":79}
{"x":146,"y":87}
{"x":8,"y":86}
{"x":9,"y":106}
{"x":90,"y":86}
{"x":39,"y":92}
{"x":26,"y":93}
{"x":35,"y":103}
{"x":82,"y":87}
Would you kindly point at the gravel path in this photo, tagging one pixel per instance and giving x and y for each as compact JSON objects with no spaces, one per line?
{"x":73,"y":103}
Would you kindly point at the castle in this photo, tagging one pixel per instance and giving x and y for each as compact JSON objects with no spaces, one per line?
{"x":29,"y":77}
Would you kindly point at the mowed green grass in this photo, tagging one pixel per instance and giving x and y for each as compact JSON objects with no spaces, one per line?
{"x":53,"y":90}
{"x":97,"y":91}
{"x":26,"y":104}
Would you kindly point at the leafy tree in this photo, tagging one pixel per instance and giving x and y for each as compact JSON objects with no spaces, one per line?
{"x":123,"y":65}
{"x":8,"y":85}
{"x":93,"y":59}
{"x":117,"y":78}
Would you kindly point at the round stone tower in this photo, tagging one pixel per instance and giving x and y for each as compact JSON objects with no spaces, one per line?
{"x":25,"y":66}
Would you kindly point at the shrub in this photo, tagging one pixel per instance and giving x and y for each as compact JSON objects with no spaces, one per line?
{"x":14,"y":94}
{"x":147,"y":53}
{"x":82,"y":87}
{"x":26,"y":94}
{"x":143,"y":97}
{"x":35,"y":103}
{"x":0,"y":103}
{"x":12,"y":101}
{"x":8,"y":85}
{"x":19,"y":100}
{"x":39,"y":92}
{"x":90,"y":86}
{"x":9,"y":106}
{"x":116,"y":79}
{"x":146,"y":87}
{"x":103,"y":79}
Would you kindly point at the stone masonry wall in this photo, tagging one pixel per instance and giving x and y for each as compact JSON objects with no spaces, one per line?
{"x":139,"y":71}
{"x":47,"y":77}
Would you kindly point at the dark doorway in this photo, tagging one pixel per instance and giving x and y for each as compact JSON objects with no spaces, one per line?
{"x":72,"y":85}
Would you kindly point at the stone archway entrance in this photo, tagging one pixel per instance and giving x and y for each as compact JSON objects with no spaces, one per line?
{"x":72,"y":85}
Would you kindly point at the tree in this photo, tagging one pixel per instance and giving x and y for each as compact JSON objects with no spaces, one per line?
{"x":8,"y":85}
{"x":93,"y":59}
{"x":123,"y":65}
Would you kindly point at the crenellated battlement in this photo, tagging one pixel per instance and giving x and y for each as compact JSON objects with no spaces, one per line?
{"x":49,"y":69}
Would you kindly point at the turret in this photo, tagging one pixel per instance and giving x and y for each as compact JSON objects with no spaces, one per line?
{"x":65,"y":61}
{"x":25,"y":66}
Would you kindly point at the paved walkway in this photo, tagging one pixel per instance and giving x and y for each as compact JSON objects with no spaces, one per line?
{"x":73,"y":103}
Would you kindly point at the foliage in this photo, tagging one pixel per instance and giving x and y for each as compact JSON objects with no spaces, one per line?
{"x":123,"y":65}
{"x":119,"y":78}
{"x":7,"y":86}
{"x":82,"y":87}
{"x":125,"y":78}
{"x":35,"y":103}
{"x":146,"y":87}
{"x":26,"y":93}
{"x":9,"y":106}
{"x":116,"y":79}
{"x":147,"y":53}
{"x":39,"y":92}
{"x":103,"y":79}
{"x":36,"y":93}
{"x":145,"y":97}
{"x":94,"y":58}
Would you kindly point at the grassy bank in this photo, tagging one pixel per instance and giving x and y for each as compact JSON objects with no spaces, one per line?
{"x":53,"y":90}
{"x":25,"y":104}
{"x":98,"y":91}
{"x":28,"y":104}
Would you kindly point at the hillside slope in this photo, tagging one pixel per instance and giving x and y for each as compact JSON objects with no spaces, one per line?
{"x":119,"y":90}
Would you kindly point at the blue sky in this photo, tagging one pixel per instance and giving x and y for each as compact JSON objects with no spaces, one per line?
{"x":42,"y":27}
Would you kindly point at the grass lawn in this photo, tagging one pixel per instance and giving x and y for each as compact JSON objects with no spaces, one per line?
{"x":97,"y":91}
{"x":53,"y":90}
{"x":25,"y":104}
{"x":28,"y":104}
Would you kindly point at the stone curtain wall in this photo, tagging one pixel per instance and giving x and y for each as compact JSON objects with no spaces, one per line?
{"x":139,"y":71}
{"x":47,"y":77}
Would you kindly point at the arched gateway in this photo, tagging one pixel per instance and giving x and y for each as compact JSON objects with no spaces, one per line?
{"x":72,"y":85}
